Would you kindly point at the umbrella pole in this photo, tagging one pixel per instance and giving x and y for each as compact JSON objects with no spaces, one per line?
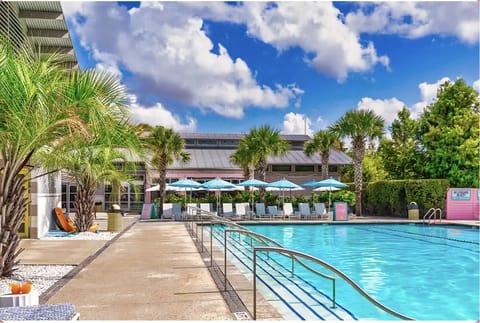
{"x":329,"y":200}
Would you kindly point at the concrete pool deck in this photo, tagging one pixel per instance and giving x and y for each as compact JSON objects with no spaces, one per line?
{"x":152,"y":271}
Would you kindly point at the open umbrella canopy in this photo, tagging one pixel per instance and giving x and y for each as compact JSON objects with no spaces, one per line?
{"x":311,"y":183}
{"x":326,"y":189}
{"x":186,"y":183}
{"x":253,"y":183}
{"x":330,"y":185}
{"x":217,"y":184}
{"x":284,"y":184}
{"x":331,"y":182}
{"x":167,"y":188}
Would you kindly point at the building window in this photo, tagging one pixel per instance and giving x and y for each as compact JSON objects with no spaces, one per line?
{"x":230,"y":143}
{"x":207,"y":142}
{"x":281,"y":168}
{"x":304,"y":168}
{"x":332,"y":168}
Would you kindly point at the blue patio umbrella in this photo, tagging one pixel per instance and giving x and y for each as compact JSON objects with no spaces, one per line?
{"x":330,"y":185}
{"x":285,"y":184}
{"x":252,"y":182}
{"x":186,"y":183}
{"x":311,"y":183}
{"x":218,"y":184}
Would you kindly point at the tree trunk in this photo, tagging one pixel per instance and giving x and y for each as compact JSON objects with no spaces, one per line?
{"x":261,"y":170}
{"x":84,"y":208}
{"x":246,"y":175}
{"x":13,"y":206}
{"x":162,"y":173}
{"x":325,"y":166}
{"x":358,"y":149}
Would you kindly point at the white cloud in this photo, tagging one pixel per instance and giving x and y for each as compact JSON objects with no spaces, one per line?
{"x":159,"y":115}
{"x":386,"y":108}
{"x":418,"y":19}
{"x":296,"y":124}
{"x":332,"y":48}
{"x":169,"y":54}
{"x":476,"y":85}
{"x":428,"y":94}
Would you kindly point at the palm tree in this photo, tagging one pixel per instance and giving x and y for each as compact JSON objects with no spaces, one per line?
{"x":261,"y":143}
{"x":43,"y":107}
{"x":322,"y":142}
{"x":166,"y":146}
{"x":360,"y":126}
{"x":243,"y":158}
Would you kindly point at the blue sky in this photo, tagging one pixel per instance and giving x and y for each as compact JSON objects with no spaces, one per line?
{"x":218,"y":67}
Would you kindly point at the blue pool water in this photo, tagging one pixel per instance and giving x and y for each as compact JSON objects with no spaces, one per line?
{"x":425,"y":272}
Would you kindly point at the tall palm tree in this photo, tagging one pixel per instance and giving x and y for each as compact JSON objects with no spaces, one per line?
{"x":166,"y":147}
{"x":360,"y":126}
{"x":322,"y":142}
{"x":42,"y":107}
{"x":261,"y":143}
{"x":243,"y":158}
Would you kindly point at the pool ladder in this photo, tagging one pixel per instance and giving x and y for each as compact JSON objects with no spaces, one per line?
{"x":431,"y":216}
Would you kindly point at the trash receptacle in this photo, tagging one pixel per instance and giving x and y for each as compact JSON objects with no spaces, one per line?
{"x":115,"y":222}
{"x":413,"y":211}
{"x":98,"y":206}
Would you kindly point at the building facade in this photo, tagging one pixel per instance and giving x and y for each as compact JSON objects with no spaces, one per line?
{"x":210,"y":157}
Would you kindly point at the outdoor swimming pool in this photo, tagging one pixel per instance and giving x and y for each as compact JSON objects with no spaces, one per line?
{"x":426,"y":272}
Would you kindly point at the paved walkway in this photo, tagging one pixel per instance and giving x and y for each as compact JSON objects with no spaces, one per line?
{"x":152,"y":271}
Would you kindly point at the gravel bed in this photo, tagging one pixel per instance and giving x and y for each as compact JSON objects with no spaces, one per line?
{"x":44,"y":276}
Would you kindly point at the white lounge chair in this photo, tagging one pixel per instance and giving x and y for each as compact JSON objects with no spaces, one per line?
{"x":206,"y":207}
{"x":192,"y":208}
{"x":167,"y":211}
{"x":304,"y":209}
{"x":240,"y":211}
{"x":288,"y":210}
{"x":227,"y":210}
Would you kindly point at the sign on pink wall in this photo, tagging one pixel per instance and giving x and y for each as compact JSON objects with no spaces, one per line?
{"x":463,"y":204}
{"x":340,"y":211}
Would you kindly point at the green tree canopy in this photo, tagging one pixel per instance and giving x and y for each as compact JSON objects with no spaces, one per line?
{"x":322,"y":142}
{"x":449,"y":135}
{"x":166,"y":146}
{"x":400,"y":154}
{"x":44,"y":108}
{"x":260,"y":143}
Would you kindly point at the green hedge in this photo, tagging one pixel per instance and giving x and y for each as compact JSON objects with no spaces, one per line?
{"x":391,"y":198}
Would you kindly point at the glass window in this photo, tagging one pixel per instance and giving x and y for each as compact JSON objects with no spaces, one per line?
{"x":304,"y":168}
{"x":331,"y":168}
{"x":281,"y":168}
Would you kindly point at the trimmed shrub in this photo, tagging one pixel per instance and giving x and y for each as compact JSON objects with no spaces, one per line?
{"x":391,"y":198}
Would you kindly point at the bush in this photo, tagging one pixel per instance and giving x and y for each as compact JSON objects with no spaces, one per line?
{"x":391,"y":198}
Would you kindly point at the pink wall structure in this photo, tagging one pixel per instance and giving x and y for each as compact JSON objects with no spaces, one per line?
{"x":463,"y":204}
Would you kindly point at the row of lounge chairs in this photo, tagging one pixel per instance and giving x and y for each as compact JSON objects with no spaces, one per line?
{"x":243,"y":211}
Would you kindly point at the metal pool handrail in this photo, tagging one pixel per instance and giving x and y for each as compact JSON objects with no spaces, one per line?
{"x":293,"y":254}
{"x":279,"y":246}
{"x":432,"y":212}
{"x":324,"y":264}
